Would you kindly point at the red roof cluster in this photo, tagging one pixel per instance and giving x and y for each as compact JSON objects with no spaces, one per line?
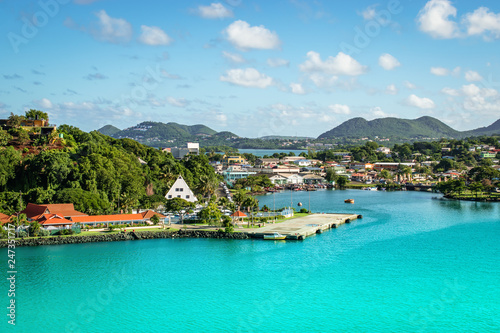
{"x":34,"y":211}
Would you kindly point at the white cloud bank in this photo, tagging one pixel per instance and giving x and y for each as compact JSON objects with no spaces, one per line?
{"x":420,"y":102}
{"x":248,"y":77}
{"x":154,"y":36}
{"x":244,"y":36}
{"x":388,"y":62}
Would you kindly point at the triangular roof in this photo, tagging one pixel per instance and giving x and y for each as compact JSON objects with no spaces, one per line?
{"x":150,"y":213}
{"x":185,"y":192}
{"x":53,"y":219}
{"x":238,"y":213}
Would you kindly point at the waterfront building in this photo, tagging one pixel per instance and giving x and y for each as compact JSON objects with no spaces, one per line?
{"x":180,"y":189}
{"x":34,"y":212}
{"x":235,"y":172}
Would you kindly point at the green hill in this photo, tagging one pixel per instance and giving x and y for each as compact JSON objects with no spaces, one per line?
{"x":109,"y":130}
{"x":161,"y":131}
{"x":493,"y":129}
{"x":392,"y":127}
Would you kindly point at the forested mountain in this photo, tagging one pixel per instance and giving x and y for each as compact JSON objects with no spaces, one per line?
{"x":493,"y":129}
{"x":109,"y":130}
{"x":98,"y":173}
{"x":392,"y":127}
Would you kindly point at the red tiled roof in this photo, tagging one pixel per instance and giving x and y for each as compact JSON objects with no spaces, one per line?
{"x":149,"y":214}
{"x":238,"y":214}
{"x":107,"y":218}
{"x":53,"y":219}
{"x":4,"y":218}
{"x":34,"y":211}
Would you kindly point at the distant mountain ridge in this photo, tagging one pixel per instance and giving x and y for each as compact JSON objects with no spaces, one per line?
{"x":403,"y":128}
{"x":150,"y":133}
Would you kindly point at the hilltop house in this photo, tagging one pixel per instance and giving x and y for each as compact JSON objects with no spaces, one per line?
{"x":180,"y":189}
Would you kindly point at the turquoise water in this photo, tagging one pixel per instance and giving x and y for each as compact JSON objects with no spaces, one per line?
{"x":412,"y":264}
{"x":269,"y":152}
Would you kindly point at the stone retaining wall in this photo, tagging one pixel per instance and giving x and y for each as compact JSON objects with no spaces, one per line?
{"x":57,"y":240}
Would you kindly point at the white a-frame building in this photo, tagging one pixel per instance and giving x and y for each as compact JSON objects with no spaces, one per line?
{"x":180,"y":189}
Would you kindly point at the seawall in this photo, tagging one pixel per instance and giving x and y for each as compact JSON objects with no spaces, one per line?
{"x":59,"y":240}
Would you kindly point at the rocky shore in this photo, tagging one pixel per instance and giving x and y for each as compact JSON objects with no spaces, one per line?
{"x":58,"y":240}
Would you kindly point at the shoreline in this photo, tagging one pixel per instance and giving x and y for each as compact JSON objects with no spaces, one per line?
{"x":61,"y":240}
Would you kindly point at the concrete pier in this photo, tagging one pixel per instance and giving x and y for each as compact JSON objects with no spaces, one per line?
{"x":302,"y":227}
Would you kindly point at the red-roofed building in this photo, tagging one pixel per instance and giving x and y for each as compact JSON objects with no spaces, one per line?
{"x":54,"y":221}
{"x":4,"y":219}
{"x":109,"y":219}
{"x":150,"y":213}
{"x":34,"y":212}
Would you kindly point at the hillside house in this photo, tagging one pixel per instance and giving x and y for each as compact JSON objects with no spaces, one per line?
{"x":180,"y":189}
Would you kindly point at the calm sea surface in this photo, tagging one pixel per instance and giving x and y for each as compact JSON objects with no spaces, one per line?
{"x":412,"y":264}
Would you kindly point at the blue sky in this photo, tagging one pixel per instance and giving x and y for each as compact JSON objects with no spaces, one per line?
{"x":285,"y":67}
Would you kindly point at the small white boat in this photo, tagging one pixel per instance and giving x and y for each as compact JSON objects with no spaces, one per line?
{"x":275,"y":236}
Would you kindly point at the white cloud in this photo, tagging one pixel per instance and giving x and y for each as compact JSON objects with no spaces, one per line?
{"x":388,"y":62}
{"x":450,"y":91}
{"x":233,"y":57}
{"x":481,"y":21}
{"x":440,"y":71}
{"x":378,"y":112}
{"x":434,"y":19}
{"x":113,"y":30}
{"x":481,"y":99}
{"x":44,"y":103}
{"x":214,"y":11}
{"x":369,"y":13}
{"x":178,"y":102}
{"x":277,"y":62}
{"x":472,"y":76}
{"x":297,"y":88}
{"x":341,"y":64}
{"x":244,"y":36}
{"x":409,"y":85}
{"x":391,"y":89}
{"x":420,"y":102}
{"x":154,"y":36}
{"x":249,"y":77}
{"x":340,"y":109}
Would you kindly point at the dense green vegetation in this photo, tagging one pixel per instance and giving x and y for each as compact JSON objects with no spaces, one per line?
{"x":97,"y":173}
{"x":428,"y":127}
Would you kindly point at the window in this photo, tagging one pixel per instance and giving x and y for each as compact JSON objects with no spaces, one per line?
{"x":187,"y":196}
{"x":170,"y":196}
{"x":181,"y":189}
{"x":177,"y":190}
{"x":178,"y":196}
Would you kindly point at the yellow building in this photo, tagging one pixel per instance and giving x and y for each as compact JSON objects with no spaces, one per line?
{"x":233,"y":159}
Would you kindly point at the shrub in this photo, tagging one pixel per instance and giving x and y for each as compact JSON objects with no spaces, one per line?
{"x":65,"y":232}
{"x":43,"y":232}
{"x":303,"y":210}
{"x":22,"y":233}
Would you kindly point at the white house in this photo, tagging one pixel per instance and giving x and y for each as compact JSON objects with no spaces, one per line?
{"x":303,"y":162}
{"x":180,"y":189}
{"x":293,"y":178}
